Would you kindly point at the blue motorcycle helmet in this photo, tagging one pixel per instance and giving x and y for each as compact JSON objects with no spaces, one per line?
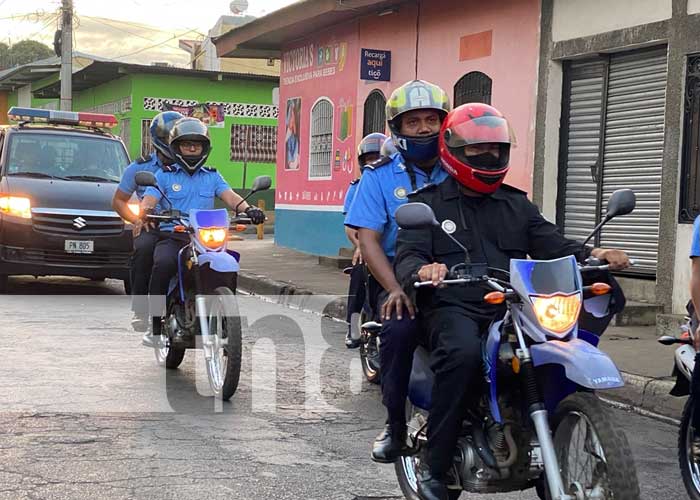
{"x":411,"y":96}
{"x":161,"y":125}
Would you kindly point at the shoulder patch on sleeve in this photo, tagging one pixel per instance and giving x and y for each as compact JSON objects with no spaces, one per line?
{"x":143,"y":159}
{"x":384,"y":160}
{"x":353,"y":182}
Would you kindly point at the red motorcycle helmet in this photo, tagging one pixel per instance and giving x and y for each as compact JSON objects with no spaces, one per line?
{"x":465,"y":127}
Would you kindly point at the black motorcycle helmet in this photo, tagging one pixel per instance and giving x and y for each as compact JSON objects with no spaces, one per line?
{"x":190,"y":129}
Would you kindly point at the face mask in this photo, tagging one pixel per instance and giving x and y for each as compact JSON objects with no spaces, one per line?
{"x":486,"y":161}
{"x":418,"y":149}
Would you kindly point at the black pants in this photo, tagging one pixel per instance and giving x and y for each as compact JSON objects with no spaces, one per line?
{"x":356,"y":292}
{"x":454,"y":339}
{"x":164,"y":268}
{"x":398,"y":340}
{"x":140,"y":272}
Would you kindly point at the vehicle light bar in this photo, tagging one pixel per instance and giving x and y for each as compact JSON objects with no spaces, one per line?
{"x":35,"y":115}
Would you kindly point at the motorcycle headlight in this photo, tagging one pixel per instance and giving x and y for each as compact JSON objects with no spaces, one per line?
{"x":18,"y":206}
{"x":213,"y":237}
{"x":557,"y":313}
{"x":135,"y":208}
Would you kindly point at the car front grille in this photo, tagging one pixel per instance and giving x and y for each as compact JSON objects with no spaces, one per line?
{"x":58,"y":257}
{"x":77,"y":224}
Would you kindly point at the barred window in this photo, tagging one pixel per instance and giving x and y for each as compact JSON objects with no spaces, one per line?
{"x":375,"y":113}
{"x":254,"y":143}
{"x":125,"y":132}
{"x":473,"y":87}
{"x":321,"y":146}
{"x":146,"y":145}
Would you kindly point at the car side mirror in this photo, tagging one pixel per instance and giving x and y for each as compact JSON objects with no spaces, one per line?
{"x":145,"y":178}
{"x":415,"y":216}
{"x":261,"y":183}
{"x":621,"y":202}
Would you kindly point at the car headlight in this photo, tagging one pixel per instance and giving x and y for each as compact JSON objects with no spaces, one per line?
{"x":213,"y":237}
{"x":557,"y":313}
{"x":18,"y":206}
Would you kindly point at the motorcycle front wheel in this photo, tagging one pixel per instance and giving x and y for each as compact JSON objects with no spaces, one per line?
{"x":688,"y":459}
{"x":224,"y":367}
{"x":369,"y":352}
{"x":594,"y":455}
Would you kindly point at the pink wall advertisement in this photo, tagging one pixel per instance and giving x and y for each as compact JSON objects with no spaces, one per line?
{"x":319,"y":73}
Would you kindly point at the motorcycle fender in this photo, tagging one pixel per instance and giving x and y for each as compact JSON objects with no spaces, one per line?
{"x":583,"y":363}
{"x":222,"y":262}
{"x":683,"y":370}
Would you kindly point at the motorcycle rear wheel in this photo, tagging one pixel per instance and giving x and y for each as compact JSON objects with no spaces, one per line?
{"x":224,"y":367}
{"x":166,"y":355}
{"x":690,"y":466}
{"x":369,"y":353}
{"x":583,"y":429}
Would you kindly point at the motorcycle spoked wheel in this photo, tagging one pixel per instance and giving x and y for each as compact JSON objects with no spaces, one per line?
{"x":369,"y":352}
{"x":166,"y":355}
{"x":594,"y":456}
{"x":690,"y":466}
{"x":407,"y":468}
{"x":224,"y":367}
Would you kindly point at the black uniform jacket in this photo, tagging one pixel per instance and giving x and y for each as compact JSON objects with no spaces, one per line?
{"x":496,"y":228}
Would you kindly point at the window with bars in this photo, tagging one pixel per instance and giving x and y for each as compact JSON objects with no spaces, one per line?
{"x":254,"y":143}
{"x":125,"y":131}
{"x":473,"y":87}
{"x":690,"y":166}
{"x":146,"y":144}
{"x":375,"y":113}
{"x":321,"y":140}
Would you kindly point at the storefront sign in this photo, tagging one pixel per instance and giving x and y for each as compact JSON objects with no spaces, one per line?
{"x":375,"y":65}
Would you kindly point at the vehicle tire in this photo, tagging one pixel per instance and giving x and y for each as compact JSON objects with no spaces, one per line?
{"x":3,"y":283}
{"x":406,"y":468}
{"x":369,"y":353}
{"x":581,"y":419}
{"x":224,"y":368}
{"x":127,"y":286}
{"x":690,"y":467}
{"x":168,"y":356}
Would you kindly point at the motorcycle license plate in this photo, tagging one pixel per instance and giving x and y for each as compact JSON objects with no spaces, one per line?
{"x":80,"y":246}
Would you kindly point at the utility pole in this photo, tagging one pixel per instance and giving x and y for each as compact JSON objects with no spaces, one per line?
{"x":67,"y":55}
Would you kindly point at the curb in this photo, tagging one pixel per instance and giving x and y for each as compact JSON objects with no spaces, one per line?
{"x":640,"y":392}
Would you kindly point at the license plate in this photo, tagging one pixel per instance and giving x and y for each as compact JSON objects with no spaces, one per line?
{"x":80,"y":246}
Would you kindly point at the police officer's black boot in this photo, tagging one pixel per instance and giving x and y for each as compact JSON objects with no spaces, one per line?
{"x":431,"y":486}
{"x":390,"y":444}
{"x":350,"y":342}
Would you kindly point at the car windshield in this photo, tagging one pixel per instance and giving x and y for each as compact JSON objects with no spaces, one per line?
{"x":92,"y":159}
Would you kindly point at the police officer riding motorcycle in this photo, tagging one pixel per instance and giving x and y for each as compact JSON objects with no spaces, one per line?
{"x":414,"y":113}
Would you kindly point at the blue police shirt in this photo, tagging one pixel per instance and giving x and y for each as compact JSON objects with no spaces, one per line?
{"x":349,"y":196}
{"x":128,"y":183}
{"x":381,"y":191}
{"x":695,"y":242}
{"x":186,"y":191}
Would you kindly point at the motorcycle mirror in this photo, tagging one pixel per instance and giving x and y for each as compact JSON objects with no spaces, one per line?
{"x":261,"y":183}
{"x":621,"y":202}
{"x":667,"y":340}
{"x":415,"y":216}
{"x":145,"y":178}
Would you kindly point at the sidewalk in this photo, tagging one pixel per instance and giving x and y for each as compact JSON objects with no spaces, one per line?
{"x":296,"y":278}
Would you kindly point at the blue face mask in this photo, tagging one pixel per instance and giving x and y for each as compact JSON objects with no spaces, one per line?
{"x":417,"y":149}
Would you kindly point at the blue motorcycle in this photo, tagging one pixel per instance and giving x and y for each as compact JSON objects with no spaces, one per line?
{"x":538,"y":421}
{"x":201,"y":307}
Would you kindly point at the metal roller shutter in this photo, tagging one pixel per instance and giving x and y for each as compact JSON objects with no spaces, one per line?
{"x":634,"y":144}
{"x":584,"y":92}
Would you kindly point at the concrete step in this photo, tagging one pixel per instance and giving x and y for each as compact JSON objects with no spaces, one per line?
{"x":638,"y":314}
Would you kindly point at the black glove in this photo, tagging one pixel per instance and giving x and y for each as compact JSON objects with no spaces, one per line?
{"x":256,"y":215}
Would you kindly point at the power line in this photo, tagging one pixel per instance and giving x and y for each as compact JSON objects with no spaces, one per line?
{"x":140,"y":25}
{"x":97,"y":20}
{"x":154,"y":46}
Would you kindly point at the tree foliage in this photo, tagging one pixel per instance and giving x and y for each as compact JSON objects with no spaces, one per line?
{"x":23,"y":52}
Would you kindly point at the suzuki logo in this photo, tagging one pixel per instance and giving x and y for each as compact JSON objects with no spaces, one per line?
{"x":79,"y":223}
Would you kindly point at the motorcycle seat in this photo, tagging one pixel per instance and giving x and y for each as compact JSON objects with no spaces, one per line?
{"x":372,"y":327}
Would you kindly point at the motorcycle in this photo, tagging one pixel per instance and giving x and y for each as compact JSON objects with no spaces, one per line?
{"x":536,"y":420}
{"x":201,"y":306}
{"x":684,"y":364}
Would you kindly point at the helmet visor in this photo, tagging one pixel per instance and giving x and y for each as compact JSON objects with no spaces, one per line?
{"x":478,"y":131}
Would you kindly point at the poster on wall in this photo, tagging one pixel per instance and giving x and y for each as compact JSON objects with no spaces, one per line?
{"x":210,"y":114}
{"x":292,"y":124}
{"x":375,"y":65}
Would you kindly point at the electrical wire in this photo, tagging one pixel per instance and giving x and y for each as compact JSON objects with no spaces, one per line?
{"x":154,"y":46}
{"x":104,"y":23}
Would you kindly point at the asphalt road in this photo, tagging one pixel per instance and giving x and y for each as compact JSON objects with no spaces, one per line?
{"x":85,"y":412}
